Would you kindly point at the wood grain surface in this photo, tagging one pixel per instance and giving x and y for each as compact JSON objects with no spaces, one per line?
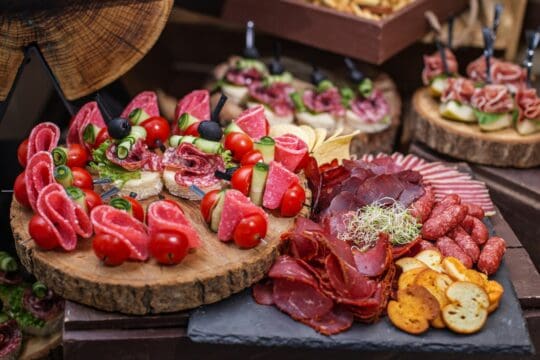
{"x":467,"y":142}
{"x":87,"y":44}
{"x":213,"y":272}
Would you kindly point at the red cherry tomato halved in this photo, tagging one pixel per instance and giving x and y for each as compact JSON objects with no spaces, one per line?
{"x":239,"y":144}
{"x":157,"y":128}
{"x":136,"y":208}
{"x":109,"y":249}
{"x":208,"y":203}
{"x":19,"y":190}
{"x":82,"y":178}
{"x":169,"y":247}
{"x":251,"y":158}
{"x":241,"y":179}
{"x":193,"y":130}
{"x":77,"y":156}
{"x":292,"y":201}
{"x":42,"y":233}
{"x":249,"y":231}
{"x":22,"y":152}
{"x":92,"y":199}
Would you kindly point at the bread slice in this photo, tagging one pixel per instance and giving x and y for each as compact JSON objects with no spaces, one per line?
{"x":413,"y":311}
{"x":467,"y":312}
{"x":432,"y":259}
{"x":183,"y":191}
{"x":454,"y":268}
{"x":409,"y":263}
{"x":408,"y":278}
{"x":322,"y":120}
{"x":355,"y":122}
{"x":148,"y":185}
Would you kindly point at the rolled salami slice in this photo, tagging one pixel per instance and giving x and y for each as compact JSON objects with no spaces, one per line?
{"x":196,"y":103}
{"x":89,"y":114}
{"x":120,"y":224}
{"x":164,"y":215}
{"x":290,"y":151}
{"x":38,"y":174}
{"x":147,"y":101}
{"x":44,"y":137}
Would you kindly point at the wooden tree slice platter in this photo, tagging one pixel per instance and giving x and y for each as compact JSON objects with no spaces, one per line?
{"x":467,"y":142}
{"x":38,"y":347}
{"x":88,"y":44}
{"x":213,"y":272}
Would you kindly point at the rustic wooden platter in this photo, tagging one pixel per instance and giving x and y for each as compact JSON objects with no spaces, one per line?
{"x":467,"y":142}
{"x":38,"y":347}
{"x":213,"y":272}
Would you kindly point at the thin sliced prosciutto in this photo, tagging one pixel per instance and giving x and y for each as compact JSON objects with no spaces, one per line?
{"x":120,"y":224}
{"x":243,"y":77}
{"x":38,"y":174}
{"x":147,"y":101}
{"x":328,"y":101}
{"x":290,"y":151}
{"x":44,"y":137}
{"x":528,"y":104}
{"x":138,"y":158}
{"x":458,"y":89}
{"x":193,"y":166}
{"x":89,"y":114}
{"x":164,"y":215}
{"x":276,"y":96}
{"x":493,"y":99}
{"x":196,"y":103}
{"x":502,"y":73}
{"x":65,"y":217}
{"x":372,"y":109}
{"x":433,"y":65}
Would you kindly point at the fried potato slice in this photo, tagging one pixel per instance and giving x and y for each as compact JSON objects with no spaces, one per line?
{"x":475,"y":277}
{"x":336,"y":148}
{"x":454,"y":268}
{"x":432,"y":258}
{"x":436,"y":284}
{"x":413,"y":310}
{"x":407,"y":278}
{"x":410,"y":263}
{"x":495,"y":292}
{"x":468,"y":308}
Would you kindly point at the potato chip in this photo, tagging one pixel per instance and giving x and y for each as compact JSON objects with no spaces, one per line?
{"x":337,"y":148}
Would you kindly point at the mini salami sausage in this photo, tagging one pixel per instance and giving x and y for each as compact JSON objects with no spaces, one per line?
{"x":446,"y":220}
{"x":452,"y":199}
{"x":448,"y":247}
{"x":476,"y":228}
{"x":421,"y":208}
{"x":491,"y":255}
{"x":465,"y":242}
{"x":475,"y":211}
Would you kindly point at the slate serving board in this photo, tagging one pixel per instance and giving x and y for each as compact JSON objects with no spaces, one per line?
{"x":239,"y":320}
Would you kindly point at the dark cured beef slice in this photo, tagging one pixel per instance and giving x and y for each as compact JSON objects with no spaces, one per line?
{"x":263,"y":292}
{"x":343,"y":202}
{"x":299,"y":300}
{"x":374,"y":261}
{"x":399,"y":251}
{"x":346,"y":279}
{"x":289,"y":268}
{"x":410,"y":176}
{"x":410,"y":194}
{"x":314,"y":179}
{"x":10,"y":339}
{"x":379,"y":187}
{"x":335,"y":321}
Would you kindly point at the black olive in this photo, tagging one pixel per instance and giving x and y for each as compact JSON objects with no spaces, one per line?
{"x":275,"y":67}
{"x":119,"y":128}
{"x":317,"y":76}
{"x":230,"y":171}
{"x":210,"y":130}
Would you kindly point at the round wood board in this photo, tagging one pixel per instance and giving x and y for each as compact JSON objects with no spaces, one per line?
{"x":38,"y":347}
{"x":213,"y":272}
{"x":361,"y":144}
{"x":467,"y":142}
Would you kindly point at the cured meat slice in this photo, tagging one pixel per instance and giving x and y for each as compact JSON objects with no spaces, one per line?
{"x":10,"y":339}
{"x":253,"y":122}
{"x":381,"y":188}
{"x":243,"y":76}
{"x":374,"y":261}
{"x":196,"y":103}
{"x":278,"y":182}
{"x":120,"y":224}
{"x":371,"y":109}
{"x":399,"y":251}
{"x":236,"y":206}
{"x":448,"y":247}
{"x":300,"y":300}
{"x":38,"y":174}
{"x":433,"y":65}
{"x":147,"y":101}
{"x":66,"y":219}
{"x":290,"y":151}
{"x":458,"y":89}
{"x":347,"y":280}
{"x":88,"y":114}
{"x":43,"y":137}
{"x":138,"y":158}
{"x":263,"y":292}
{"x":528,"y":104}
{"x":276,"y":96}
{"x":164,"y":215}
{"x":493,"y":99}
{"x":328,"y":101}
{"x":289,"y":268}
{"x":333,"y":322}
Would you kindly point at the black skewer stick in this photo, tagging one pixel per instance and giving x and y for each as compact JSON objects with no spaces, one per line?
{"x":442,"y":53}
{"x":222,"y":175}
{"x":533,"y":39}
{"x":103,"y":108}
{"x":488,"y":51}
{"x":160,"y":145}
{"x":250,"y":51}
{"x":355,"y":75}
{"x":133,"y":195}
{"x":497,"y":19}
{"x":276,"y":67}
{"x":110,"y":193}
{"x":215,"y":114}
{"x":450,"y":32}
{"x":102,"y":181}
{"x":317,"y":76}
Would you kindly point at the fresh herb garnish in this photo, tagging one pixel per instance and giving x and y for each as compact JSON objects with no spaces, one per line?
{"x":107,"y":169}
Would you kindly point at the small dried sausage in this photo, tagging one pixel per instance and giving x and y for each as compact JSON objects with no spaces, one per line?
{"x":475,"y":211}
{"x":421,"y":208}
{"x":491,"y":255}
{"x":465,"y":242}
{"x":452,"y":199}
{"x":476,"y":228}
{"x":439,"y":225}
{"x":448,"y":247}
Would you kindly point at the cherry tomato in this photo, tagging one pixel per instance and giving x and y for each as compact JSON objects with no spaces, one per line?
{"x":92,"y":199}
{"x":81,"y":178}
{"x":193,"y":130}
{"x":293,"y":201}
{"x":169,"y":247}
{"x":77,"y":156}
{"x":19,"y":190}
{"x":207,"y":204}
{"x":101,"y":137}
{"x":251,"y":158}
{"x":249,"y":231}
{"x":157,"y":128}
{"x":109,"y":249}
{"x":136,"y":208}
{"x":241,"y":179}
{"x":239,"y":144}
{"x":22,"y":153}
{"x":42,"y":233}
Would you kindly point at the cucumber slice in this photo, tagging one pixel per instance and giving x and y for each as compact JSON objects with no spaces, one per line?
{"x":492,"y":122}
{"x":175,"y":140}
{"x":208,"y":146}
{"x":138,"y":116}
{"x":60,"y":155}
{"x":188,"y":139}
{"x":77,"y":195}
{"x":232,"y":127}
{"x":258,"y":183}
{"x":186,"y":120}
{"x":266,"y":145}
{"x":456,"y":111}
{"x":215,"y":218}
{"x":63,"y":175}
{"x":286,"y":77}
{"x":90,"y":134}
{"x":138,"y":132}
{"x":527,"y":126}
{"x":297,"y":101}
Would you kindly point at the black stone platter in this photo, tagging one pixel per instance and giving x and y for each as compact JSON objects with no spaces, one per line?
{"x":239,"y":320}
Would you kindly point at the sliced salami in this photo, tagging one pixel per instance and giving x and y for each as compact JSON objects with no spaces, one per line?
{"x":278,"y":182}
{"x":147,"y":101}
{"x":138,"y":158}
{"x":196,"y":103}
{"x":38,"y":174}
{"x":253,"y":122}
{"x":164,"y":215}
{"x":290,"y":151}
{"x":236,"y":206}
{"x":89,"y":114}
{"x":43,"y":137}
{"x":328,"y":101}
{"x":120,"y":224}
